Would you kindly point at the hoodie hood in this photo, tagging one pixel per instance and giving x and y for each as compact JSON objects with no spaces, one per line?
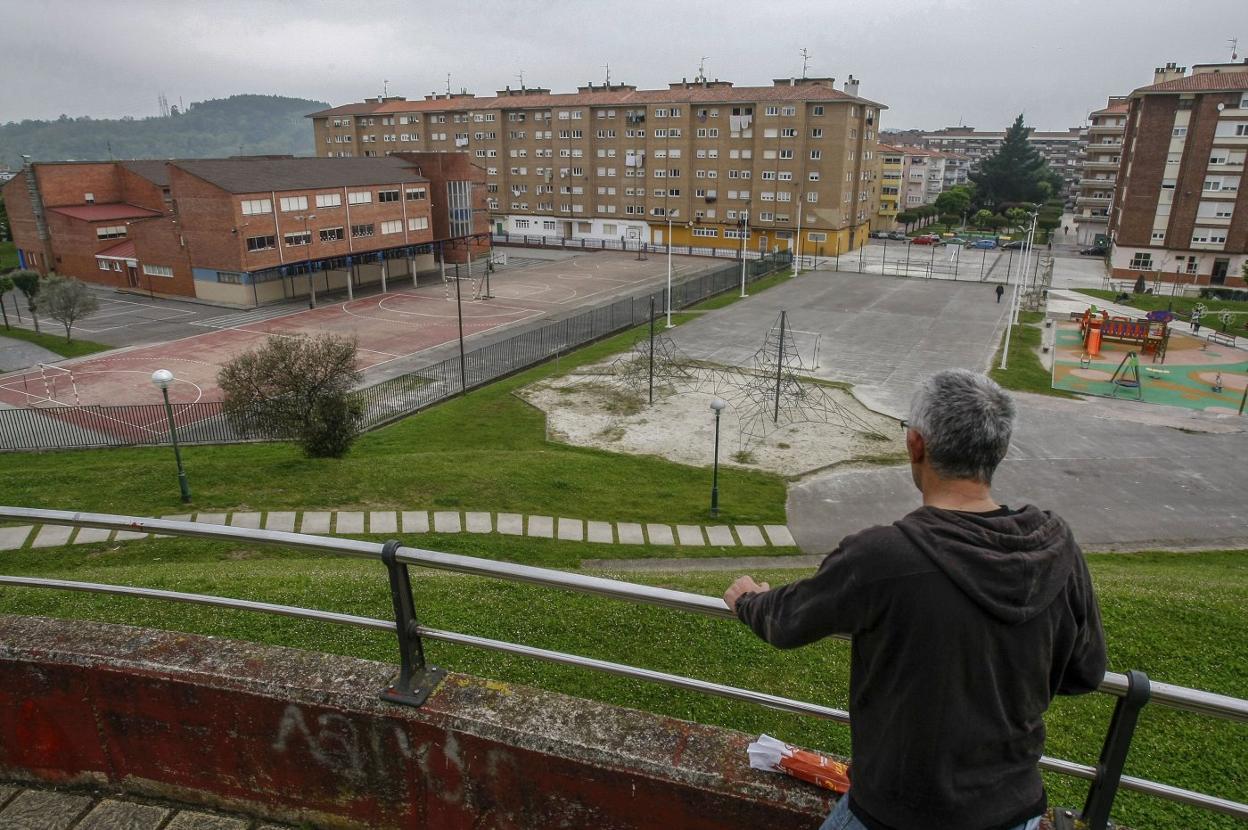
{"x":1011,"y":566}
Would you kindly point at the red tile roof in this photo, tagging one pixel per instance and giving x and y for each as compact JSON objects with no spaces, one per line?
{"x":105,"y":212}
{"x":1112,"y":109}
{"x":1204,"y":82}
{"x":624,"y":97}
{"x":122,"y":250}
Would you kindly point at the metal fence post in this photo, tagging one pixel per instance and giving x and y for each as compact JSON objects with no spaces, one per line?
{"x":1114,"y":751}
{"x":417,"y":680}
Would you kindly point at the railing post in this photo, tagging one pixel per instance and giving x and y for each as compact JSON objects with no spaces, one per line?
{"x":1114,"y":751}
{"x":416,"y":679}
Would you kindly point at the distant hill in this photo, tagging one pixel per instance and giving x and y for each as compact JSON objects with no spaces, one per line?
{"x":246,"y":124}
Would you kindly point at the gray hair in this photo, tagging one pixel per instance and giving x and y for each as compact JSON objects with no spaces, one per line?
{"x":965,"y":419}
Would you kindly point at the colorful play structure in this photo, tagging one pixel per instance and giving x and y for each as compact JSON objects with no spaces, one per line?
{"x":1150,"y":335}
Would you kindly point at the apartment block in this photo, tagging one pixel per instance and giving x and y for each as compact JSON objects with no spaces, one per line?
{"x":721,"y":162}
{"x":1179,"y":210}
{"x":892,"y":178}
{"x":1102,"y":158}
{"x":245,"y":231}
{"x":1062,"y":150}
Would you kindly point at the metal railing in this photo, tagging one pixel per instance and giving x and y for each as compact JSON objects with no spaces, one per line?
{"x":58,"y":427}
{"x":416,"y":679}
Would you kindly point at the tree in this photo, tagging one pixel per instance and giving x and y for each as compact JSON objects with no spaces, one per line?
{"x":955,"y":201}
{"x":907,"y":218}
{"x":6,"y":285}
{"x":982,"y":219}
{"x":1015,"y":172}
{"x":1017,"y":217}
{"x":27,"y":282}
{"x":298,"y":386}
{"x":67,"y":301}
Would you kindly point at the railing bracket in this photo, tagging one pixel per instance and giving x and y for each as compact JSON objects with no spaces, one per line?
{"x":416,"y":680}
{"x":1114,"y":751}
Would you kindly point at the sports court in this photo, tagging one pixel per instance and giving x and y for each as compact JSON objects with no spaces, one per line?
{"x":393,"y":326}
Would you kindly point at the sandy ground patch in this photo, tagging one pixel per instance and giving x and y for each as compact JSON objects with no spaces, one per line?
{"x":589,"y":409}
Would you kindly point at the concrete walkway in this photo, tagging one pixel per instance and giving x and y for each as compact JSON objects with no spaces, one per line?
{"x":392,"y":522}
{"x":29,"y":807}
{"x":18,"y":354}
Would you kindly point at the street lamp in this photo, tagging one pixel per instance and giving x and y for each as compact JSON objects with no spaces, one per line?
{"x":162,"y":378}
{"x":671,"y":214}
{"x":718,"y":406}
{"x":745,"y":234}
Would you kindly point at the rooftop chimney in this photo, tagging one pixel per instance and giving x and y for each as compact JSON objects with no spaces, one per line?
{"x":1169,"y":72}
{"x":851,"y":86}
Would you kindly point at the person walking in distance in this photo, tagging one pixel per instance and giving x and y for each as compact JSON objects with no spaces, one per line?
{"x":966,"y":617}
{"x":1196,"y":315}
{"x":1000,"y":291}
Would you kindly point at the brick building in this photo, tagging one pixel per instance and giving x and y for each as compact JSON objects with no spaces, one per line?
{"x":246,"y":231}
{"x":615,"y":162}
{"x":1179,"y":211}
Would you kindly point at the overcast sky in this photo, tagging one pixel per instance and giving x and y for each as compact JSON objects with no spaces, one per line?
{"x":977,"y":62}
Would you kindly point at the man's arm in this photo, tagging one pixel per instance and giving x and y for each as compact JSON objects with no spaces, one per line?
{"x":1085,"y":669}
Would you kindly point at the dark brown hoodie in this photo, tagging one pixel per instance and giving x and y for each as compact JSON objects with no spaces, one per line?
{"x":964,"y":626}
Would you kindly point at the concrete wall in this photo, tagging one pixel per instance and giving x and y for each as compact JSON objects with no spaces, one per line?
{"x":302,"y":737}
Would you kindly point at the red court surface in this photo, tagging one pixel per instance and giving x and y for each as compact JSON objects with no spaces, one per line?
{"x":387,"y":327}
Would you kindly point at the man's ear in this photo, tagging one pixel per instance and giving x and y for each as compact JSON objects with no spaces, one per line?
{"x":915,"y":447}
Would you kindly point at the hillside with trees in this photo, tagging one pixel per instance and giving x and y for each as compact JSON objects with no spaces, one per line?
{"x":240,"y":124}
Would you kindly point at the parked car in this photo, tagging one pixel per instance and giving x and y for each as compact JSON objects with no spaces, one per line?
{"x":1094,"y":251}
{"x":953,"y":240}
{"x":898,"y":235}
{"x":988,"y":244}
{"x":879,"y":234}
{"x":926,"y":239}
{"x":1013,"y":245}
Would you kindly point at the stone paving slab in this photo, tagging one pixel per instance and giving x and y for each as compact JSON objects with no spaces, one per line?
{"x":180,"y":517}
{"x":383,"y":521}
{"x":721,"y":535}
{"x":129,"y":535}
{"x":415,"y":521}
{"x":542,"y":526}
{"x":779,"y":536}
{"x":43,"y":810}
{"x":92,"y":534}
{"x":511,"y":524}
{"x":659,"y":534}
{"x":736,"y":564}
{"x":690,"y":535}
{"x":600,"y":532}
{"x":187,"y":820}
{"x":12,"y":538}
{"x":571,"y":529}
{"x":447,"y":521}
{"x":124,"y":815}
{"x":349,"y":521}
{"x":479,"y":522}
{"x":750,"y":536}
{"x":315,"y":522}
{"x":630,"y":533}
{"x":281,"y":520}
{"x":211,"y":518}
{"x":52,"y":536}
{"x":249,"y":519}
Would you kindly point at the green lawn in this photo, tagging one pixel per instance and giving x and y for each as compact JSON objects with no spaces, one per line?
{"x":485,"y":451}
{"x":1024,"y":371}
{"x":8,"y":256}
{"x":1181,"y":306}
{"x":1178,"y":617}
{"x":54,"y":342}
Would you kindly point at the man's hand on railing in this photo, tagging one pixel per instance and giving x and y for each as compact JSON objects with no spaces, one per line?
{"x":743,"y":585}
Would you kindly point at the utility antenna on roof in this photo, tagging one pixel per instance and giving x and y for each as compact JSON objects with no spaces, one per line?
{"x":1234,"y":48}
{"x":702,"y":69}
{"x":805,"y":60}
{"x":448,"y":84}
{"x":520,"y":75}
{"x":385,"y":89}
{"x":607,"y":67}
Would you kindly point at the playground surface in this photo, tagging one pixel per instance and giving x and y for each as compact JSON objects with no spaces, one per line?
{"x":1186,"y":378}
{"x":391,"y":327}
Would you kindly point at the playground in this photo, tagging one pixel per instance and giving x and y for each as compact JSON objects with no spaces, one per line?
{"x":1170,"y":366}
{"x":389,"y":327}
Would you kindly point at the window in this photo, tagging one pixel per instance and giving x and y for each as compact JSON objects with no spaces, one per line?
{"x":289,"y":203}
{"x":1208,"y":236}
{"x":816,"y":237}
{"x":89,"y":198}
{"x":786,"y":154}
{"x":1142,"y":261}
{"x":1179,"y":132}
{"x":1159,"y":236}
{"x":230,"y":277}
{"x":712,"y":233}
{"x":252,"y":207}
{"x":392,"y":225}
{"x":359,"y":197}
{"x":788,"y":132}
{"x":298,"y":238}
{"x":418,"y":223}
{"x":332,"y":235}
{"x":814,"y":176}
{"x":110,"y":232}
{"x":387,"y":195}
{"x":812,"y":196}
{"x":327,"y":200}
{"x":360,"y":231}
{"x":815,"y":155}
{"x":772,"y":111}
{"x":158,"y":270}
{"x":103,"y":264}
{"x":261,"y":243}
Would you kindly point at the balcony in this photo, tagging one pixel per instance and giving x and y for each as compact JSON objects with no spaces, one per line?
{"x":1093,"y":181}
{"x":1107,"y":129}
{"x":1101,"y":164}
{"x":1093,"y":200}
{"x":1092,"y":218}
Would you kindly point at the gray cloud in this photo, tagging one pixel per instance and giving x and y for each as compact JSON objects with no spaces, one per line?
{"x":932,"y":63}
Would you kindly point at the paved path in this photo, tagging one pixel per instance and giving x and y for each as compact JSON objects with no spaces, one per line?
{"x":18,"y":354}
{"x":28,"y":807}
{"x":393,"y":522}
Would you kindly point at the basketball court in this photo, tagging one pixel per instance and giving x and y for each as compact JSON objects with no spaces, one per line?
{"x":392,"y":326}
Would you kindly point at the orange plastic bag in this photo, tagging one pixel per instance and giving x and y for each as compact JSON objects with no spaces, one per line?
{"x":772,"y":755}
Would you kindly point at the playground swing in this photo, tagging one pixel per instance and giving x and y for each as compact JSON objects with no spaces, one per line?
{"x":1127,"y":376}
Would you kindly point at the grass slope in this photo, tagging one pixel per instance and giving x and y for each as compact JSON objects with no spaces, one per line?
{"x":1181,"y":306}
{"x":1178,"y":617}
{"x":54,"y":342}
{"x":1025,"y":372}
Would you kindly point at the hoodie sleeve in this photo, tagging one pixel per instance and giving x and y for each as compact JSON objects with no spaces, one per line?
{"x":809,"y":609}
{"x":1085,"y":667}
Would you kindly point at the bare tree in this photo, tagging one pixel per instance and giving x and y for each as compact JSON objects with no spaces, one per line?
{"x":300,"y":387}
{"x":28,"y":283}
{"x":67,"y":301}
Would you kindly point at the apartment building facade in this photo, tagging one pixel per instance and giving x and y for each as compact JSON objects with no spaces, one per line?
{"x":1102,"y":158}
{"x":1180,"y":210}
{"x":1062,"y":150}
{"x":245,"y":231}
{"x":723,"y":163}
{"x":892,"y":185}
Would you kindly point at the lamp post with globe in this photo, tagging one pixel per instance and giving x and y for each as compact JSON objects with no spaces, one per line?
{"x":718,"y":406}
{"x":162,"y":378}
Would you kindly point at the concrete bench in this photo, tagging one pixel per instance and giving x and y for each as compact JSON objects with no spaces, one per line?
{"x":1219,"y":337}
